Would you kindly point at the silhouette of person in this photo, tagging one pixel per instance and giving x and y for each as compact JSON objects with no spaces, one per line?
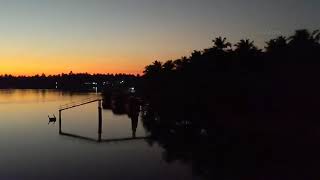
{"x":134,"y":109}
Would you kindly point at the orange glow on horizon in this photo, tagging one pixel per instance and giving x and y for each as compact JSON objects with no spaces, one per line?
{"x":30,"y":71}
{"x":49,"y":64}
{"x":37,"y":57}
{"x":52,"y":67}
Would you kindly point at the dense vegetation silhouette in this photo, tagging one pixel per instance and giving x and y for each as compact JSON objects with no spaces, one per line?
{"x":239,"y":111}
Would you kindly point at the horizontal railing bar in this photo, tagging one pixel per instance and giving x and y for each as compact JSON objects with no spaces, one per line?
{"x":76,"y":104}
{"x":84,"y":100}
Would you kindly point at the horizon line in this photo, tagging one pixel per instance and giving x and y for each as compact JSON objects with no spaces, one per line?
{"x":69,"y":73}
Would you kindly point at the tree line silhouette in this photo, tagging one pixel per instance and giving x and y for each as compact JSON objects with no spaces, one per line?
{"x":237,"y":110}
{"x":70,"y":81}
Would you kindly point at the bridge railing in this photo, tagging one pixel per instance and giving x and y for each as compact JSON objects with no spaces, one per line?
{"x":78,"y":103}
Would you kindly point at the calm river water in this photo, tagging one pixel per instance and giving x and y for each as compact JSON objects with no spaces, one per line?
{"x":32,"y":149}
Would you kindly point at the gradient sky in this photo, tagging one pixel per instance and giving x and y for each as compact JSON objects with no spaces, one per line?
{"x":101,"y":36}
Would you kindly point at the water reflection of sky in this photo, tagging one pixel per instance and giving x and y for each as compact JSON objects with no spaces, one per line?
{"x":30,"y":148}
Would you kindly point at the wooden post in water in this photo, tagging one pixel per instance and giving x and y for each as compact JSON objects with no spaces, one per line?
{"x":60,"y":122}
{"x":100,"y":120}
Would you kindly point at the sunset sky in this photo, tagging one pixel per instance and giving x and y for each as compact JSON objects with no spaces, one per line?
{"x":123,"y":36}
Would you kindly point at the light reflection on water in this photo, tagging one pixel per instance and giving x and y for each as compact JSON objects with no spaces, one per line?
{"x":32,"y":149}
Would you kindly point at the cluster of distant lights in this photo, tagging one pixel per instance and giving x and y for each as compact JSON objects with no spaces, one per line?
{"x":131,"y":89}
{"x":107,"y":83}
{"x":93,"y":83}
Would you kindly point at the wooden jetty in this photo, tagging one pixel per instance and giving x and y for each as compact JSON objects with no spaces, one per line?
{"x":81,"y":103}
{"x":84,"y":102}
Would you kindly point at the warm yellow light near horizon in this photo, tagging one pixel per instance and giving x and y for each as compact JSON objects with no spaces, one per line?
{"x":18,"y":59}
{"x":52,"y":69}
{"x":26,"y":65}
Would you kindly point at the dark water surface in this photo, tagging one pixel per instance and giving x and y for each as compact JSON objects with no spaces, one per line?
{"x":32,"y":149}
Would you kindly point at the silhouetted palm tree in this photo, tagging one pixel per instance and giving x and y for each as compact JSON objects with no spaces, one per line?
{"x":303,"y":37}
{"x":276,"y":44}
{"x":221,"y":43}
{"x":196,"y":54}
{"x":154,"y":68}
{"x":181,"y":63}
{"x":168,"y":66}
{"x":246,"y":46}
